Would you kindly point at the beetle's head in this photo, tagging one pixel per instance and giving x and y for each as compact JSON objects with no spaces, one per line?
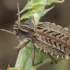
{"x":24,"y":30}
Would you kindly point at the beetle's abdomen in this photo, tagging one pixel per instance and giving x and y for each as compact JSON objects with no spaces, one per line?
{"x":47,"y":48}
{"x":53,"y":39}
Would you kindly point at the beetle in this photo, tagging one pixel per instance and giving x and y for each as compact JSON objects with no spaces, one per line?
{"x":51,"y":38}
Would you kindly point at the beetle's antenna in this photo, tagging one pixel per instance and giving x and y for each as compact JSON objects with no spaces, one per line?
{"x":18,"y":13}
{"x":7,"y":31}
{"x":18,"y":21}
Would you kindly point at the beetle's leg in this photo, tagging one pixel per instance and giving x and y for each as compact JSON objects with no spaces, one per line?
{"x":33,"y":55}
{"x":53,"y":60}
{"x":21,"y":45}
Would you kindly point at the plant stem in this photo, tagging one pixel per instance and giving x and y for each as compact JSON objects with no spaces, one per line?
{"x":38,"y":15}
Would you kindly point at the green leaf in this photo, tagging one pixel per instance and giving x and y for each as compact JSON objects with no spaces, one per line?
{"x":36,"y":4}
{"x":47,"y":10}
{"x":31,"y":6}
{"x":27,"y":15}
{"x":35,"y":1}
{"x":36,"y":8}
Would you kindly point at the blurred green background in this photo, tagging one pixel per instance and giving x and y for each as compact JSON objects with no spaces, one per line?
{"x":60,"y":14}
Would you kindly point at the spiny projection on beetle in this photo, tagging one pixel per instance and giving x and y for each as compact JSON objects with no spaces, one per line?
{"x":51,"y":38}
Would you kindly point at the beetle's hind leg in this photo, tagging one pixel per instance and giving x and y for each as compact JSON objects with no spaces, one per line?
{"x":33,"y":55}
{"x":53,"y":60}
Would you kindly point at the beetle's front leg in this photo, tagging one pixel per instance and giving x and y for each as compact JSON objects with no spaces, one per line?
{"x":22,"y":44}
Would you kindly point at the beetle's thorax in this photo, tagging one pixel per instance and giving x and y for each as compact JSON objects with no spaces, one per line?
{"x":23,"y":30}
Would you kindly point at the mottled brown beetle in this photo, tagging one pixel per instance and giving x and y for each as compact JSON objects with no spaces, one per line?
{"x":52,"y":39}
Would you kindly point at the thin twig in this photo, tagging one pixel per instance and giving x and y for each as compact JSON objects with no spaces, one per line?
{"x":37,"y":16}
